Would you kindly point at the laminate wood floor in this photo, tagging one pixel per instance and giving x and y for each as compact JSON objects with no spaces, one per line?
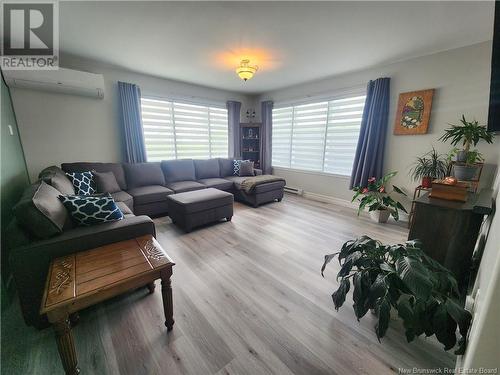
{"x":248,"y":299}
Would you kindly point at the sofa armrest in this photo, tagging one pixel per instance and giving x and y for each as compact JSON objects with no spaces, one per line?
{"x":257,"y":172}
{"x":30,"y":263}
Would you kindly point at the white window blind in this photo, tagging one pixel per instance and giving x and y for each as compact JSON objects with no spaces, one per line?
{"x":344,"y":122}
{"x":158,"y":128}
{"x":282,"y":136}
{"x":308,"y":136}
{"x":174,"y":130}
{"x":320,"y":136}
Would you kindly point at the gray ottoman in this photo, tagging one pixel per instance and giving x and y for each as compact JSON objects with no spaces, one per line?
{"x":199,"y":207}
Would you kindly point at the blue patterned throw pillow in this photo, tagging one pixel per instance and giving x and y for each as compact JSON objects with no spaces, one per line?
{"x":87,"y":210}
{"x":236,"y":166}
{"x":83,"y":182}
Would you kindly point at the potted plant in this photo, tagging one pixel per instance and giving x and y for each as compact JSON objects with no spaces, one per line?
{"x":469,"y":133}
{"x":404,"y":279}
{"x":377,"y":199}
{"x":466,"y":170}
{"x":428,"y":167}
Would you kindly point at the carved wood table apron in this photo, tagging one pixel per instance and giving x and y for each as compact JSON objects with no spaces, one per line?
{"x":83,"y":279}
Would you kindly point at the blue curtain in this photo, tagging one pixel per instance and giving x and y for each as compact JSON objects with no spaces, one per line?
{"x":130,"y":104}
{"x":369,"y":157}
{"x":233,"y":114}
{"x":265,"y":134}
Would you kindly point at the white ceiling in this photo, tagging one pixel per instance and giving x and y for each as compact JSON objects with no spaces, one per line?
{"x":292,"y":42}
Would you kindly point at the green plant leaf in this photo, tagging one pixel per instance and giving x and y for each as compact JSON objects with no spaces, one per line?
{"x":419,"y":316}
{"x":346,"y":249}
{"x":387,"y":267}
{"x":396,"y":283}
{"x":384,"y":314}
{"x":444,"y":327}
{"x":353,"y":257}
{"x":415,"y":276}
{"x":345,"y":269}
{"x":338,"y":296}
{"x":365,"y":201}
{"x":328,"y":259}
{"x":405,"y":312}
{"x":378,"y":289}
{"x":461,"y":316}
{"x":387,"y":177}
{"x":430,"y":307}
{"x":398,"y":190}
{"x":361,"y":283}
{"x":401,"y":207}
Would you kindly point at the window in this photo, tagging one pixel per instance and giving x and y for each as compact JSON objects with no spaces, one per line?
{"x":174,"y":130}
{"x":320,"y":136}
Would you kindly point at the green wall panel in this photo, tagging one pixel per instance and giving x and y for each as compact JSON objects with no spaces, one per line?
{"x":13,"y":176}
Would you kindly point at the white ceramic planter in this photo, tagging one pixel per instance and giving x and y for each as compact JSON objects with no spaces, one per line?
{"x":380,"y":216}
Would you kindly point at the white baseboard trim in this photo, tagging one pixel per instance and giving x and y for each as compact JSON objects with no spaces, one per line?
{"x":329,"y":199}
{"x":403,"y":217}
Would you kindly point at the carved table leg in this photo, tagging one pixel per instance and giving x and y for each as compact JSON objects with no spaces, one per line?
{"x":151,"y":287}
{"x":166,"y":293}
{"x":66,"y":346}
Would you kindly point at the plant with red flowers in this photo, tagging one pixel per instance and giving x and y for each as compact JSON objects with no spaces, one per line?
{"x":376,"y":197}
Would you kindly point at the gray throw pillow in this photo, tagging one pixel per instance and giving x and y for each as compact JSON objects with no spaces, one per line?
{"x":106,"y":182}
{"x":246,"y":168}
{"x":56,"y":178}
{"x":207,"y":168}
{"x":226,"y":167}
{"x":40,"y":211}
{"x":144,"y":174}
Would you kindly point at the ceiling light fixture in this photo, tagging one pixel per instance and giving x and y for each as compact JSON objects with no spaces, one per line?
{"x":246,"y":71}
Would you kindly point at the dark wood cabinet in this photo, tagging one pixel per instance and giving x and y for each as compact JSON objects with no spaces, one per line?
{"x":449,"y":230}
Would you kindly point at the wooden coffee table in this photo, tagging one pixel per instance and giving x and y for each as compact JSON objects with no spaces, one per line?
{"x":77,"y":281}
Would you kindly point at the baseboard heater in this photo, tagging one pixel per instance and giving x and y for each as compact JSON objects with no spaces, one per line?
{"x":293,"y":190}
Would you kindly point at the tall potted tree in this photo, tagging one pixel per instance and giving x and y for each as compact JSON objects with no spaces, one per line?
{"x":428,"y":167}
{"x":469,"y":134}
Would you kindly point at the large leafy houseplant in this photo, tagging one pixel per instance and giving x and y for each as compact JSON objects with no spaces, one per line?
{"x":401,"y":277}
{"x":376,"y":197}
{"x":428,"y":167}
{"x":469,"y":133}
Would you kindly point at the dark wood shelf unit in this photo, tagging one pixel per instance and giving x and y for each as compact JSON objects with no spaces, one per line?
{"x":250,"y":142}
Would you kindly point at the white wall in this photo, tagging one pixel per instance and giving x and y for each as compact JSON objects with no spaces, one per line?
{"x":56,"y":128}
{"x":482,"y":350}
{"x":461,"y":78}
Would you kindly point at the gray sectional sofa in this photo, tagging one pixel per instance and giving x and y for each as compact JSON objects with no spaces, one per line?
{"x":140,"y":189}
{"x":145,"y":186}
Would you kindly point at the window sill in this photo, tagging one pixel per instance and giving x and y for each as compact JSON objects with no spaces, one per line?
{"x":312,"y":173}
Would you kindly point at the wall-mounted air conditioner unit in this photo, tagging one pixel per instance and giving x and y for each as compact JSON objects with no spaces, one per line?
{"x":64,"y":81}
